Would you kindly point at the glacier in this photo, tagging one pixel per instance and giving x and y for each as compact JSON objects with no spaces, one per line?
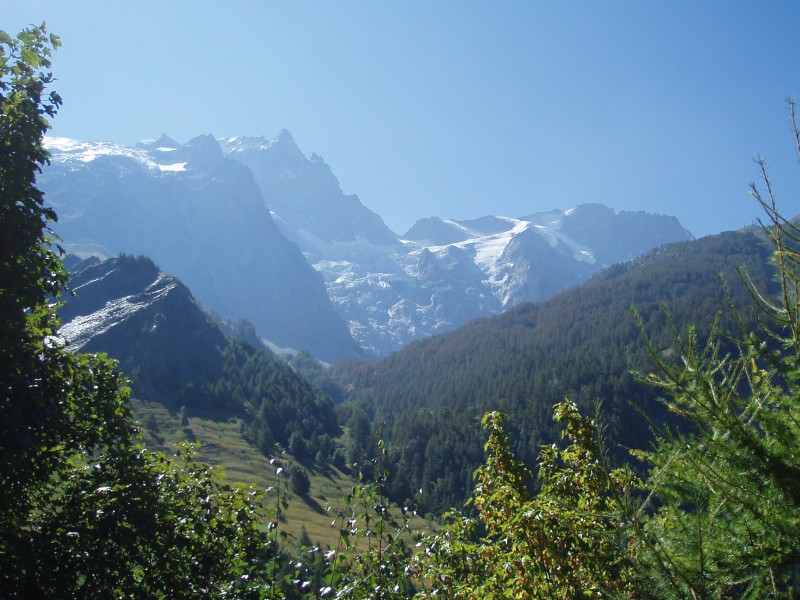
{"x":387,"y":289}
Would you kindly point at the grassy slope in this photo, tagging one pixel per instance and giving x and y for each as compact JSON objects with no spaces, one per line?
{"x":221,"y":443}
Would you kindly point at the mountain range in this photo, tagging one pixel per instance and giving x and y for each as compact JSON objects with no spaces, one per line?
{"x":354,"y":289}
{"x":259,"y":231}
{"x":428,"y":398}
{"x":201,"y":217}
{"x":582,"y":344}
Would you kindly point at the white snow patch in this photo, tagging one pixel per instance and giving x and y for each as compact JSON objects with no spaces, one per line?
{"x":489,"y":249}
{"x":173,"y":168}
{"x":471,"y":232}
{"x":66,"y":149}
{"x":78,"y":331}
{"x":554,"y":237}
{"x":162,"y":277}
{"x":553,"y":219}
{"x":244,"y":144}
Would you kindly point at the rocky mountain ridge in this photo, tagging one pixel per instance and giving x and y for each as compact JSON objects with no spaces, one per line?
{"x":177,"y":355}
{"x":200,"y":216}
{"x":144,"y":318}
{"x":199,"y":210}
{"x":392,"y":289}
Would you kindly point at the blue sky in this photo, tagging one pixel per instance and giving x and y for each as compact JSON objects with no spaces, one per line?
{"x":456,"y":109}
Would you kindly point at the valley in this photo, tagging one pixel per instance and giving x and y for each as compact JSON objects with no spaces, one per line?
{"x":490,"y":314}
{"x":221,"y":376}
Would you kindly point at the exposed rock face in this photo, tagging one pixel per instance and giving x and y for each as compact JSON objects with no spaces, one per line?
{"x":144,"y":318}
{"x":201,"y":216}
{"x":305,"y":195}
{"x":200,"y":210}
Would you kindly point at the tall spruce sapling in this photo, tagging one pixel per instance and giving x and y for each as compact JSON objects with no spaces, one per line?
{"x":728,"y":490}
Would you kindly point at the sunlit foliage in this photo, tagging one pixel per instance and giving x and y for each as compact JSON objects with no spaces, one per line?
{"x":84,"y":511}
{"x":563,"y":542}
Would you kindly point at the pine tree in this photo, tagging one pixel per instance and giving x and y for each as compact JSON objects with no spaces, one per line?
{"x":728,"y":489}
{"x":299,"y":481}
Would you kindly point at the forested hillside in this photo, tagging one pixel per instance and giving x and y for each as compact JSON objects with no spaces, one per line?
{"x":282,"y":407}
{"x":714,"y":512}
{"x":177,"y":355}
{"x":583,"y":344}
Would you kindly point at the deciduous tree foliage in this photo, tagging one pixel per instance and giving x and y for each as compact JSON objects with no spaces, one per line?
{"x":564,"y":542}
{"x":84,"y":511}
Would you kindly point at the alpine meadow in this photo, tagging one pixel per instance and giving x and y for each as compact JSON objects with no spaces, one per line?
{"x":458,"y":424}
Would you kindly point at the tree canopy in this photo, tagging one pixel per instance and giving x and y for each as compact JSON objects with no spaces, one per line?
{"x":84,"y":510}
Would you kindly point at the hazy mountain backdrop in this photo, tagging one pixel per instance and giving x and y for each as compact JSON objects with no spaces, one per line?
{"x":259,"y":231}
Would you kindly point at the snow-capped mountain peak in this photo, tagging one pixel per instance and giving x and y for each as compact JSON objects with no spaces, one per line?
{"x":217,"y":210}
{"x":202,"y":217}
{"x":66,"y":150}
{"x":159,"y":156}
